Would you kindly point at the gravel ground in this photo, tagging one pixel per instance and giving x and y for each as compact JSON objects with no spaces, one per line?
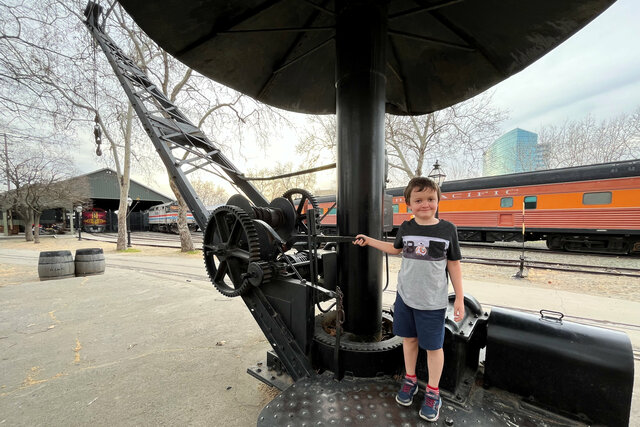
{"x":591,"y":284}
{"x":627,"y":288}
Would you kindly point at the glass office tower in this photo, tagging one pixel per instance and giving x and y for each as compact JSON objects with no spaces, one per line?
{"x":515,"y":151}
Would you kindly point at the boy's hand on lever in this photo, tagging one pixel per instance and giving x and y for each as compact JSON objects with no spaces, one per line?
{"x":361,"y":240}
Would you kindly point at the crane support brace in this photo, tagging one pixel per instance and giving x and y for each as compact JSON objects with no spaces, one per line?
{"x":170,"y":130}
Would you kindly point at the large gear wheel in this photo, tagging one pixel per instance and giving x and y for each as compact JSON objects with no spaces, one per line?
{"x":301,"y":224}
{"x":230,"y":245}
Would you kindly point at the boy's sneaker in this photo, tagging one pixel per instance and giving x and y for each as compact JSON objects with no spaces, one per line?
{"x":406,"y":393}
{"x":430,"y":410}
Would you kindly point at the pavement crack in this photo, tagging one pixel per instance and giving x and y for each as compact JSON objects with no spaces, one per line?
{"x":77,"y":351}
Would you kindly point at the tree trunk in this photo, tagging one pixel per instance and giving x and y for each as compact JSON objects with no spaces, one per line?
{"x":123,"y":212}
{"x":123,"y":209}
{"x":186,"y":242}
{"x":36,"y":221}
{"x":27,"y":217}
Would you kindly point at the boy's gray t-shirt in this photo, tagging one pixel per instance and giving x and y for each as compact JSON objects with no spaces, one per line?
{"x":422,"y":279}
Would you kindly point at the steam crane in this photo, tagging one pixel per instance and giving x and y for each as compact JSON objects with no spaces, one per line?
{"x":360,"y":59}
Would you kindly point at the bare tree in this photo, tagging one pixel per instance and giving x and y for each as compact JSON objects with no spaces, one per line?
{"x":456,"y":136}
{"x":214,"y":107}
{"x":208,"y":192}
{"x":50,"y":67}
{"x":459,"y":133}
{"x":588,"y":141}
{"x":55,"y":79}
{"x":39,"y":180}
{"x":277,"y":187}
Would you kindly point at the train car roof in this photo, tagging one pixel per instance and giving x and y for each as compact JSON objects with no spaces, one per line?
{"x":623,"y":169}
{"x":595,"y":172}
{"x":550,"y":176}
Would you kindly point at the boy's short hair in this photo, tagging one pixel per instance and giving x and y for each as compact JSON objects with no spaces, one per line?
{"x":420,"y":183}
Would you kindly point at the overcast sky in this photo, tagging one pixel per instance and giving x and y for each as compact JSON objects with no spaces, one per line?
{"x":595,"y":71}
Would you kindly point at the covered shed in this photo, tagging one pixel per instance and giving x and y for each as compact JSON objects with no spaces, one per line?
{"x":105,"y":192}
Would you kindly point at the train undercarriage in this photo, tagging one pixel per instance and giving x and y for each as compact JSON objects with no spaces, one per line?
{"x":620,"y":244}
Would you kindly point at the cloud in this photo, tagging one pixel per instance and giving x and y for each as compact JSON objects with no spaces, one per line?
{"x":596,"y":71}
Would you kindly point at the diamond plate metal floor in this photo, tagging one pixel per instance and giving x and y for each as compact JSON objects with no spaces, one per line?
{"x":371,"y":402}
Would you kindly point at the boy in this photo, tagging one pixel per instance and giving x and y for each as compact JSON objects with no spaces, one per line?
{"x":429,"y":248}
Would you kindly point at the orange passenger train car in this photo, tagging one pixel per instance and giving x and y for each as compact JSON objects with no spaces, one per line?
{"x":593,"y":208}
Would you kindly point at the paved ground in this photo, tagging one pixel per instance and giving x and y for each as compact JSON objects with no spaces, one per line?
{"x":141,"y":345}
{"x":125,"y":348}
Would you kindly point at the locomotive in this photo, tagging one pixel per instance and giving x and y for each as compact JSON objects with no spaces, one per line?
{"x":94,"y":220}
{"x":594,"y":208}
{"x":164,"y":218}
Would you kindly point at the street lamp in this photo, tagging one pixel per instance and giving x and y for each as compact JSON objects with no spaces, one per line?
{"x":129,"y":201}
{"x":437,"y":173}
{"x":79,"y":221}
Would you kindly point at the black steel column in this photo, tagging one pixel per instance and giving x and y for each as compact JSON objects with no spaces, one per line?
{"x":360,"y":104}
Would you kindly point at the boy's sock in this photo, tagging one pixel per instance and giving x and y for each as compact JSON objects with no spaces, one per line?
{"x":412,"y":378}
{"x":435,"y":390}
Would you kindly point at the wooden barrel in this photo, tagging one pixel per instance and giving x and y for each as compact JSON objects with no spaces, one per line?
{"x":55,"y":265}
{"x":89,"y":261}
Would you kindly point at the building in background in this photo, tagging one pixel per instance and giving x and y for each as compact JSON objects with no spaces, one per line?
{"x":515,"y":151}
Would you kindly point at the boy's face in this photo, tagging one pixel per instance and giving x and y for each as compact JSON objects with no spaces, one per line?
{"x":424,"y":205}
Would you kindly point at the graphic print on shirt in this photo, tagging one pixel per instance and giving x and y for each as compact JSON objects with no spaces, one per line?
{"x":424,"y":248}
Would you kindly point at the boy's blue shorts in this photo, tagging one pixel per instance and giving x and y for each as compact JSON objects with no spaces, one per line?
{"x":427,"y":325}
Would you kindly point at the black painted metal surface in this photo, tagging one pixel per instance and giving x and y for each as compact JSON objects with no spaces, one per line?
{"x":371,"y":402}
{"x":283,"y":52}
{"x":574,"y":369}
{"x":360,"y":92}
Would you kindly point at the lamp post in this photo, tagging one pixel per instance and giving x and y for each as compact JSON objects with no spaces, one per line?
{"x":79,"y":221}
{"x":129,"y":201}
{"x":437,"y":174}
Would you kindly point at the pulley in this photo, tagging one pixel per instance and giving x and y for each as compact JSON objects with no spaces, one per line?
{"x":97,"y":133}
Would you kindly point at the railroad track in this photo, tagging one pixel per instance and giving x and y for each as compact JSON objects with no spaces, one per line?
{"x":146,"y":239}
{"x":573,"y":268}
{"x":532,"y":249}
{"x":169,"y":240}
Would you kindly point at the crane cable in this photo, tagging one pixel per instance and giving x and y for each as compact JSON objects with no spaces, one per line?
{"x":97,"y":130}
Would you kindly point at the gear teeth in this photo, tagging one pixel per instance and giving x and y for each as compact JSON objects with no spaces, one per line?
{"x":267,"y":271}
{"x":322,"y":337}
{"x":310,"y":199}
{"x":253,"y":248}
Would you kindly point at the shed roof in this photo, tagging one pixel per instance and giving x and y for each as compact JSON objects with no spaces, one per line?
{"x":103,"y":184}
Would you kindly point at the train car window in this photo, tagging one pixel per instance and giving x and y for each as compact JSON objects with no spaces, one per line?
{"x":333,"y":211}
{"x":396,"y":208}
{"x":530,"y":202}
{"x":603,"y":198}
{"x":506,"y":202}
{"x":409,"y":209}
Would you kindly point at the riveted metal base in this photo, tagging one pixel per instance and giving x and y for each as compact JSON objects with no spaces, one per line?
{"x":371,"y":402}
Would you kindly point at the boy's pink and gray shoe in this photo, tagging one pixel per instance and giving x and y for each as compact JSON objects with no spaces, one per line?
{"x":430,"y":410}
{"x":406,"y":393}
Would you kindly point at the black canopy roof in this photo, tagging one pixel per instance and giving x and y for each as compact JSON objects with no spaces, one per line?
{"x":439,"y":52}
